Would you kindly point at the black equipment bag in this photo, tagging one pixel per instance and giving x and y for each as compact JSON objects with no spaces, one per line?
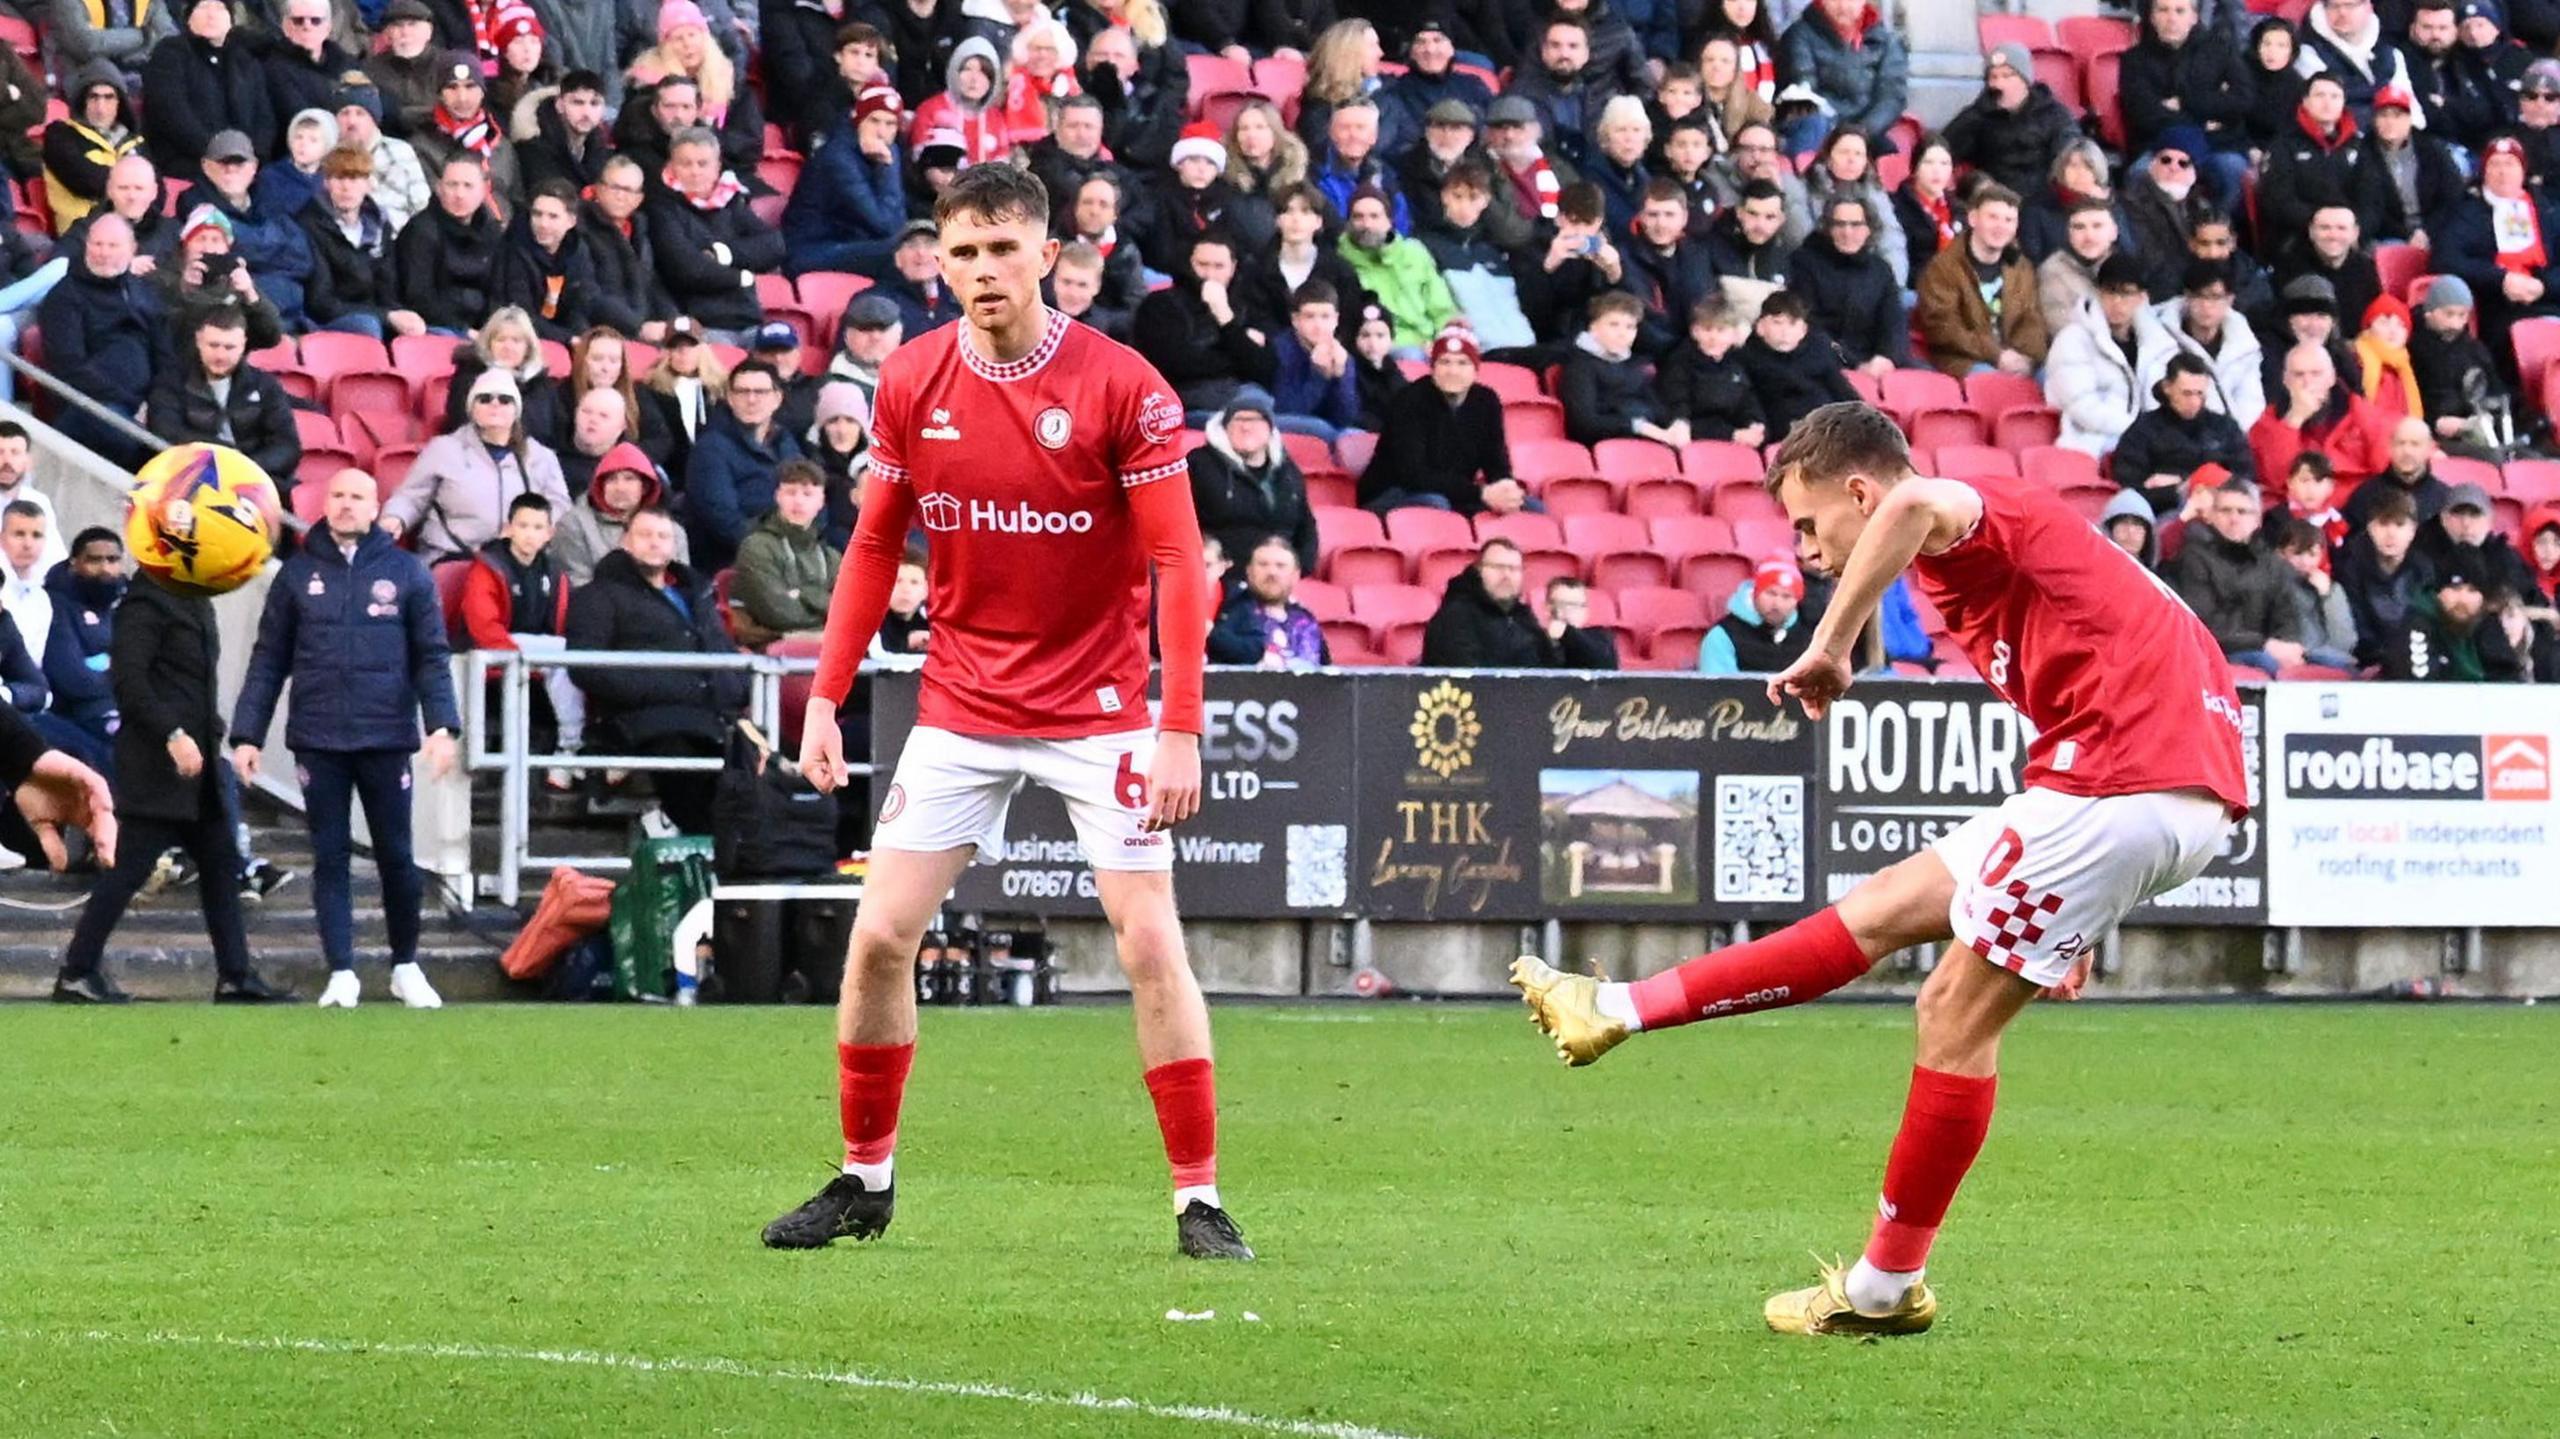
{"x":767,"y":821}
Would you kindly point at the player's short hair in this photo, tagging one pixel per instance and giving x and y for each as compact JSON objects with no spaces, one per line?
{"x":1838,"y":440}
{"x":1615,"y":302}
{"x":2313,"y":461}
{"x":1582,"y":203}
{"x":994,"y":195}
{"x":1315,"y":292}
{"x":2392,"y":504}
{"x":799,"y":472}
{"x":2295,"y":536}
{"x":527,"y":501}
{"x":93,"y":535}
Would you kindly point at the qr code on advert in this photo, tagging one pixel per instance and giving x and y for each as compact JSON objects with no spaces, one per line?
{"x":1760,"y":838}
{"x":1319,"y":870}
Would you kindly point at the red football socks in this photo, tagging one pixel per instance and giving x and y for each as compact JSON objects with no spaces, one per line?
{"x":1186,"y":1096}
{"x":871,"y":1082}
{"x":1804,"y":961}
{"x":1943,"y":1124}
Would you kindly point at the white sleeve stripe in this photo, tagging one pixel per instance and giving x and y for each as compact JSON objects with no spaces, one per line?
{"x":1131,"y":479}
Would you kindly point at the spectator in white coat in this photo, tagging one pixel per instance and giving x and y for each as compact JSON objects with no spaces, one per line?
{"x":2202,"y":323}
{"x":2092,"y":373}
{"x":456,"y":495}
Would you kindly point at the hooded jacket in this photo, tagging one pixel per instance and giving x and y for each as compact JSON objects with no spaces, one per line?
{"x":1239,"y":505}
{"x":2306,"y":169}
{"x":1961,"y":330}
{"x":785,"y":574}
{"x":2536,"y":520}
{"x":502,"y":598}
{"x":2364,"y":63}
{"x":587,"y":531}
{"x":2237,"y":589}
{"x":980,"y":126}
{"x":2093,"y":382}
{"x":2131,"y":504}
{"x":77,"y":659}
{"x":366,"y":635}
{"x":550,"y":154}
{"x":2237,"y":362}
{"x":77,"y":157}
{"x":197,"y":90}
{"x":1471,"y":631}
{"x":455,"y":497}
{"x":621,"y":610}
{"x":1865,"y":78}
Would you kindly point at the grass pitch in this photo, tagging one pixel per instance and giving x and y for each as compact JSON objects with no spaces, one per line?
{"x":536,"y":1221}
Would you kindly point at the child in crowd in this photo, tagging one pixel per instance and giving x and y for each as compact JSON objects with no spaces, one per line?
{"x":2327,"y":624}
{"x":1793,"y":369}
{"x":786,"y":570}
{"x":517,"y":598}
{"x":1318,"y":385}
{"x":2309,"y":488}
{"x":904,"y":629}
{"x":1704,"y":383}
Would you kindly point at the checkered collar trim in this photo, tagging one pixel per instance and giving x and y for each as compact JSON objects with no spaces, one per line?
{"x":1053,"y":335}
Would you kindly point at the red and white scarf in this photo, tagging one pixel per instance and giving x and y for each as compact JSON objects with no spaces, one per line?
{"x":2518,"y":226}
{"x":1534,"y":190}
{"x":479,"y":134}
{"x":729,"y":187}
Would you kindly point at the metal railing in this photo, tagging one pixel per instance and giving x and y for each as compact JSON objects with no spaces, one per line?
{"x":514,"y":760}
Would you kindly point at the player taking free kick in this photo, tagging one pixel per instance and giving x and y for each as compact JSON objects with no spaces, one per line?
{"x":1045,"y":462}
{"x":2133,"y":782}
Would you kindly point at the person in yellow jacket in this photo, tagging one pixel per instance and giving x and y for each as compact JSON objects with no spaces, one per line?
{"x":81,"y":147}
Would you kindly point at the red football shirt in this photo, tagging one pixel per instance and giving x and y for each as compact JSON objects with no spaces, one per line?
{"x":2127,"y":690}
{"x":1027,"y":478}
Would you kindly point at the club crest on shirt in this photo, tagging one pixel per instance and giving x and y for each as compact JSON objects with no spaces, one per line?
{"x":941,"y":428}
{"x":1159,"y":417}
{"x":1052,"y":427}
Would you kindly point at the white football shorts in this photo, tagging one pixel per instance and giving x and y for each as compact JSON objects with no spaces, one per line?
{"x":2040,"y":879}
{"x":954,"y":789}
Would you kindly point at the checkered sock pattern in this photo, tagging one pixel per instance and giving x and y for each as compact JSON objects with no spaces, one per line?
{"x":871,"y":1082}
{"x":1943,"y":1124}
{"x":1806,"y":960}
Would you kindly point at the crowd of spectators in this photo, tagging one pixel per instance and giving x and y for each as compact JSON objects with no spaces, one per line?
{"x":2285,"y":286}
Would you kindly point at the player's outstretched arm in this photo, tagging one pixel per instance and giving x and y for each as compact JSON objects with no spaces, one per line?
{"x":853,"y":617}
{"x":1170,"y":530}
{"x":1918,"y":516}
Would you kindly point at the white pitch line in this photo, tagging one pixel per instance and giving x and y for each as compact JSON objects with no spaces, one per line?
{"x":1217,"y":1415}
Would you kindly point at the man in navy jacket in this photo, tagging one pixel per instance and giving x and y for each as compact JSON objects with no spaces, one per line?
{"x":357,"y":617}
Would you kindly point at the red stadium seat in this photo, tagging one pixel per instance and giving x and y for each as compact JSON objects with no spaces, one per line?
{"x":1764,"y":539}
{"x":319,"y":462}
{"x":275,"y":357}
{"x":796,"y":688}
{"x":1599,"y":534}
{"x":782,"y":172}
{"x":2455,"y":470}
{"x":1618,"y":570}
{"x":1627,"y":461}
{"x":328,"y":355}
{"x":310,"y":502}
{"x":768,"y":208}
{"x":2019,"y":431}
{"x":1212,"y":73}
{"x":1966,"y":461}
{"x":2533,"y":481}
{"x":1280,"y":79}
{"x":1324,"y":601}
{"x":1400,"y":644}
{"x":423,"y":354}
{"x":1714,"y":577}
{"x":555,"y":358}
{"x":2104,"y":78}
{"x":2537,"y":344}
{"x":370,"y":392}
{"x":2056,"y":466}
{"x":1383,"y":605}
{"x":1219,"y":108}
{"x":379,"y":429}
{"x":1534,"y":461}
{"x":1416,"y":529}
{"x":1937,"y":429}
{"x":1311,"y":453}
{"x":299,"y":383}
{"x":2059,"y":69}
{"x":1711,"y":462}
{"x":1334,"y":490}
{"x":1993,"y":394}
{"x":1748,"y":500}
{"x":1354,"y":566}
{"x":1578,"y":495}
{"x":2328,"y":674}
{"x":1540,"y":566}
{"x":1354,"y":449}
{"x":2090,"y":497}
{"x":1434,"y":570}
{"x":315,"y":428}
{"x":1866,"y":386}
{"x":1667,"y":495}
{"x":1511,"y":382}
{"x":1995,"y":31}
{"x":1908,"y":392}
{"x":1337,"y":527}
{"x":2089,"y":36}
{"x":1651,"y":610}
{"x":1532,"y":420}
{"x":391,"y":465}
{"x":1680,"y":536}
{"x":774,"y":290}
{"x":1675,"y":647}
{"x":1528,"y":531}
{"x":2397,"y":265}
{"x":825,"y":293}
{"x":432,"y":393}
{"x":1348,"y":642}
{"x":449,"y":577}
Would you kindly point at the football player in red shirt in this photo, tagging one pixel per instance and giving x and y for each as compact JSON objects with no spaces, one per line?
{"x":2133,"y":782}
{"x":1045,"y":463}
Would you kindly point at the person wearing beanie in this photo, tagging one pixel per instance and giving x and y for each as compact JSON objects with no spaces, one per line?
{"x":2308,"y":310}
{"x":1432,"y":82}
{"x":1245,"y":486}
{"x":2463,"y":104}
{"x":201,"y":83}
{"x":2482,"y":26}
{"x":592,"y":528}
{"x":291,"y":185}
{"x":2389,"y":382}
{"x":2163,"y":201}
{"x":2426,"y":178}
{"x":851,"y":201}
{"x":463,"y":124}
{"x":527,"y":73}
{"x":2014,"y":126}
{"x":2468,"y":405}
{"x":839,"y":439}
{"x":82,"y":147}
{"x":1761,"y":631}
{"x":1396,"y":271}
{"x":2502,"y":241}
{"x":1440,"y":439}
{"x":705,"y":48}
{"x":400,"y":184}
{"x":302,"y":67}
{"x":456,"y":495}
{"x":2093,"y":375}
